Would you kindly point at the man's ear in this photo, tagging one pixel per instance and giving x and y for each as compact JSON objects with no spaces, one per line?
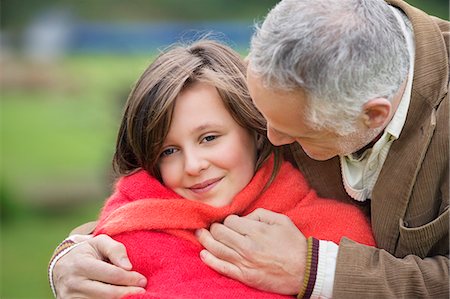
{"x":376,"y":112}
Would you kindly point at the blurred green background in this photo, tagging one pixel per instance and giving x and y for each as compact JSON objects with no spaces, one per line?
{"x":60,"y":110}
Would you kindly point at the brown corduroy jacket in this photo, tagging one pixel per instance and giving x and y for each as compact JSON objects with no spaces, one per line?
{"x":409,"y":206}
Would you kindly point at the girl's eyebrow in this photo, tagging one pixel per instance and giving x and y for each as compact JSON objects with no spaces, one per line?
{"x":206,"y":126}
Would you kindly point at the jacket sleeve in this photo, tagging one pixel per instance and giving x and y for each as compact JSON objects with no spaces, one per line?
{"x":378,"y":274}
{"x":84,"y":229}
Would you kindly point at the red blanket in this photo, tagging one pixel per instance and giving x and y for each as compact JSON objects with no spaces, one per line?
{"x":156,"y":225}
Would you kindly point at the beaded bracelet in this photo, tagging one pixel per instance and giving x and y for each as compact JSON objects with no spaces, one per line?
{"x":312,"y":260}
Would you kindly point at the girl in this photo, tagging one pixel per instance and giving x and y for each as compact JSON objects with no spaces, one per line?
{"x":191,"y":150}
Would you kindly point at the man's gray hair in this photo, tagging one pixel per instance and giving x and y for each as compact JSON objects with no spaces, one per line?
{"x":340,"y":52}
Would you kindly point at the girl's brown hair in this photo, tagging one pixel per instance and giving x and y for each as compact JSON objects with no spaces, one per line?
{"x":149,"y":108}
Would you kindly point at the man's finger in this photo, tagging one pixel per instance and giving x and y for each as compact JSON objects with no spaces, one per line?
{"x":266,"y":216}
{"x":219,"y":265}
{"x":95,"y":289}
{"x":104,"y":272}
{"x":80,"y":238}
{"x":236,"y":241}
{"x":112,"y":250}
{"x":242,"y":225}
{"x":217,"y":247}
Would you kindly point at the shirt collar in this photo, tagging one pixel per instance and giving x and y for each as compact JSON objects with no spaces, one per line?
{"x":397,"y":122}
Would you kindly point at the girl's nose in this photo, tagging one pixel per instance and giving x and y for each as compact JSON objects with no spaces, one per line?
{"x":195,"y":163}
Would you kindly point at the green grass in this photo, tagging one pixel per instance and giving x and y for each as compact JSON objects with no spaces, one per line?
{"x":57,"y":140}
{"x":27,"y":245}
{"x":70,"y":126}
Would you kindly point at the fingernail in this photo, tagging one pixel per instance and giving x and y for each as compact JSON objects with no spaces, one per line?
{"x":142,"y":282}
{"x":197,"y":232}
{"x":202,"y":254}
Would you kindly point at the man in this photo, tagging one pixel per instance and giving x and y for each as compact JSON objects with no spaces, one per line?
{"x":362,"y":88}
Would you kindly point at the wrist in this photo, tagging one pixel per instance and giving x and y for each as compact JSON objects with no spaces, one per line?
{"x":312,"y":258}
{"x":64,"y":247}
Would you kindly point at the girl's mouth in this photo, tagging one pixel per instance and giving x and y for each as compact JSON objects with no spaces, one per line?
{"x":205,"y":186}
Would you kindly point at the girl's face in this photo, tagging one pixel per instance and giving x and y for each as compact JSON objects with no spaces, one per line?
{"x":206,"y":155}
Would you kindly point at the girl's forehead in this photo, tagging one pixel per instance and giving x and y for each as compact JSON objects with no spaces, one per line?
{"x":200,"y":106}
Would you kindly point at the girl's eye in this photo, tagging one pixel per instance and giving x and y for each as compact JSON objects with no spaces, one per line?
{"x":209,"y":138}
{"x":168,"y":152}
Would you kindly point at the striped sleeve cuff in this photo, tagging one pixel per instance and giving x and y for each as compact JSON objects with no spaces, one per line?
{"x":312,"y":259}
{"x":63,"y":248}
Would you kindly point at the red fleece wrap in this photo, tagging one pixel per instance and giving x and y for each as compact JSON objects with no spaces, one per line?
{"x":157,"y":227}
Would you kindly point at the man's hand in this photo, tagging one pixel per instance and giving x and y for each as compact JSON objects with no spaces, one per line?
{"x":264,"y":250}
{"x":97,"y":268}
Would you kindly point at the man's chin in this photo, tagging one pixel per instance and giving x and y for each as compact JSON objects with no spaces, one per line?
{"x":320,"y":156}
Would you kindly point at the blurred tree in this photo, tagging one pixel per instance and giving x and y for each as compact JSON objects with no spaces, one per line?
{"x":14,"y":14}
